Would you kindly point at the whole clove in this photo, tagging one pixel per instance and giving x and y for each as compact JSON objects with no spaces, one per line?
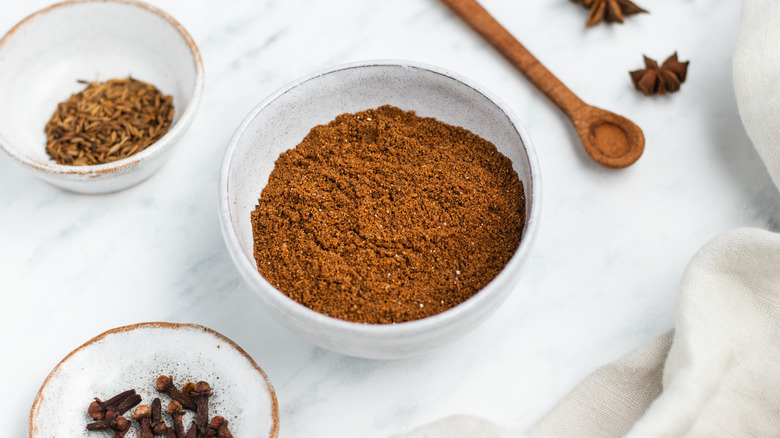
{"x":176,"y":411}
{"x":97,"y":409}
{"x":158,"y":425}
{"x":200,"y":392}
{"x":99,"y":425}
{"x":127,"y":404}
{"x":166,"y":386}
{"x":107,"y":423}
{"x":121,"y":427}
{"x":111,"y":421}
{"x":220,"y":425}
{"x":143,"y":414}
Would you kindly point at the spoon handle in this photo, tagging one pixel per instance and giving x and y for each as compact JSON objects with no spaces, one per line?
{"x":473,"y":14}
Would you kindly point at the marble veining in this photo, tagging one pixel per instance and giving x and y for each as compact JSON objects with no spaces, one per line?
{"x":602,"y":278}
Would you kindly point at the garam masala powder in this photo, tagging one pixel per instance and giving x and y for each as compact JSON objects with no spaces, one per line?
{"x":383,"y":217}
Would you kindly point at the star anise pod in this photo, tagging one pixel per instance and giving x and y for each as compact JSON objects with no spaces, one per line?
{"x":613,"y":11}
{"x":660,"y":80}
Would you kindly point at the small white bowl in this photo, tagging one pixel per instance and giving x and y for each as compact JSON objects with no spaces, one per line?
{"x":282,"y":120}
{"x":44,"y":55}
{"x":132,"y":357}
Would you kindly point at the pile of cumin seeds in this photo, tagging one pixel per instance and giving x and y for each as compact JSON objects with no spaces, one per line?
{"x":108,"y":121}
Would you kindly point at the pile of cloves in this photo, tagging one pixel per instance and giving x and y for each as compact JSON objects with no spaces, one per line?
{"x":108,"y":415}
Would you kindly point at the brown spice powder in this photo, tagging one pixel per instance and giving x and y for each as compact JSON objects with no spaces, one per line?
{"x":108,"y":121}
{"x":384,"y":217}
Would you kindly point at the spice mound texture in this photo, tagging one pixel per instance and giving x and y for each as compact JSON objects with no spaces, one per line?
{"x":384,"y":217}
{"x":108,"y":121}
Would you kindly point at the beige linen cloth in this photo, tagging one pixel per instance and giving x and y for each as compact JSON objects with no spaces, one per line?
{"x":718,"y":373}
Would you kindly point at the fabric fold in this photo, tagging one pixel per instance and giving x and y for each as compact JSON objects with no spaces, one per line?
{"x":728,"y":329}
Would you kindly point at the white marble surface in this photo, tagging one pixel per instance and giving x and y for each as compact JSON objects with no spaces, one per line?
{"x":604,"y":272}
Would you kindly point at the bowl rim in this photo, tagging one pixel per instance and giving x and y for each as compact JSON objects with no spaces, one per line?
{"x":176,"y":130}
{"x":378,"y":331}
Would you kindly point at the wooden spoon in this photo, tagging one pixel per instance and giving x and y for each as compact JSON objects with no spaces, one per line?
{"x":611,"y":140}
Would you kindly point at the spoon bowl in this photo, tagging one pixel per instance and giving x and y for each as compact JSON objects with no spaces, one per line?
{"x":610,"y":139}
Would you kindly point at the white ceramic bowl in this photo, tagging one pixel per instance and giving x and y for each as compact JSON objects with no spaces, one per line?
{"x":132,"y":357}
{"x":44,"y":55}
{"x":282,"y":120}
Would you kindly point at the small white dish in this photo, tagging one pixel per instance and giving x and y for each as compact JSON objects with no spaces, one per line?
{"x":282,"y":120}
{"x":43,"y":57}
{"x":132,"y":357}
